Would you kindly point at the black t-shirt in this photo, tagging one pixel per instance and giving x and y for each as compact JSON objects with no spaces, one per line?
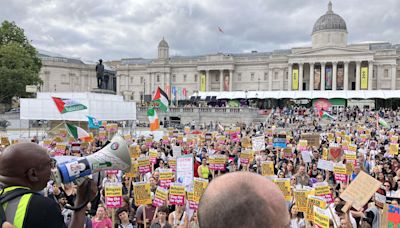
{"x":43,"y":212}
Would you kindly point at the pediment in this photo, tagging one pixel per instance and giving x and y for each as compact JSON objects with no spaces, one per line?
{"x":331,"y":51}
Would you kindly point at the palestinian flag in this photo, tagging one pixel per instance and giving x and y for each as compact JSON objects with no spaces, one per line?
{"x":78,"y":133}
{"x":382,"y":122}
{"x":65,"y":105}
{"x":153,"y":119}
{"x":161,"y":98}
{"x":325,"y":115}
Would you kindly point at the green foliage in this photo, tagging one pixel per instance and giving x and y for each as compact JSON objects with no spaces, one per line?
{"x":19,"y":64}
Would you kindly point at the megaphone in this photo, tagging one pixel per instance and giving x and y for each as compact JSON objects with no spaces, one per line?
{"x":73,"y":169}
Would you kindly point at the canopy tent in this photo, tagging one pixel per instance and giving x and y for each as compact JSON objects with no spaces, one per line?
{"x":344,"y":94}
{"x":101,"y":106}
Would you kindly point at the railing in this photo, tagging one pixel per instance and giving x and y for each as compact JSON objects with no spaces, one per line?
{"x":204,"y":110}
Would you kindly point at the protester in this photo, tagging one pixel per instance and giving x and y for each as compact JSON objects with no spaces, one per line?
{"x":101,"y":219}
{"x":123,"y":217}
{"x":296,"y":218}
{"x":161,"y":220}
{"x":178,"y":218}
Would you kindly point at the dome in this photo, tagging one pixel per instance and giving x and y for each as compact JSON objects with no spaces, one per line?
{"x":163,"y":43}
{"x":330,"y":21}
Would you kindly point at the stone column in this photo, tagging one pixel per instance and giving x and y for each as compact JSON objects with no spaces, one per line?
{"x":379,"y":74}
{"x":230,"y":80}
{"x":289,"y":77}
{"x":270,"y":79}
{"x":221,"y":80}
{"x":393,"y":77}
{"x":346,"y":76}
{"x":311,"y":76}
{"x":322,"y":76}
{"x":358,"y":65}
{"x":300,"y":76}
{"x":370,"y":74}
{"x":334,"y":76}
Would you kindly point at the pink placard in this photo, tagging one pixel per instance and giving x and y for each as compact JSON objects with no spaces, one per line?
{"x":114,"y":202}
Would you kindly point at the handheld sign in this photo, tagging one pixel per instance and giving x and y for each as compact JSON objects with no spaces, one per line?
{"x":142,"y":194}
{"x":113,"y":194}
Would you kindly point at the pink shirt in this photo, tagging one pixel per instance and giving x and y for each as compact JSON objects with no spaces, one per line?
{"x":105,"y":223}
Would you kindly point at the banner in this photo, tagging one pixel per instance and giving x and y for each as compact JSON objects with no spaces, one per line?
{"x":317,"y":78}
{"x":166,"y":177}
{"x":184,"y":170}
{"x":177,"y":194}
{"x":141,"y":193}
{"x":113,"y":194}
{"x":202,"y":82}
{"x":364,"y":78}
{"x":295,"y":79}
{"x":160,"y":197}
{"x":340,"y":78}
{"x":328,"y":78}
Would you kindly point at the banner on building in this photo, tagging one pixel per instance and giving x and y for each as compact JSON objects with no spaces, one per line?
{"x":295,"y":79}
{"x":317,"y":78}
{"x":202,"y":82}
{"x":340,"y":78}
{"x":328,"y":78}
{"x":364,"y":78}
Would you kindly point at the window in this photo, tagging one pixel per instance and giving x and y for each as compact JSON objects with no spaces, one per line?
{"x":158,"y":78}
{"x":64,"y":79}
{"x":184,"y":78}
{"x":252,"y":76}
{"x":141,"y":80}
{"x":173,"y":78}
{"x":195,"y":78}
{"x":265,"y":76}
{"x":131,"y":79}
{"x":217,"y":78}
{"x":386,"y":73}
{"x":239,"y":77}
{"x":276,"y":75}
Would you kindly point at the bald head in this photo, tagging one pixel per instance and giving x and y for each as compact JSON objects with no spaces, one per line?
{"x":17,"y":162}
{"x":242,"y":199}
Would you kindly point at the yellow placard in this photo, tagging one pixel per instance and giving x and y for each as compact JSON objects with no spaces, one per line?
{"x":199,"y":186}
{"x":134,"y":169}
{"x":331,"y":137}
{"x":353,"y":147}
{"x":295,"y":79}
{"x":321,"y":218}
{"x":394,"y":149}
{"x":350,"y":155}
{"x":141,"y":194}
{"x":177,"y":190}
{"x":325,"y":153}
{"x":311,"y":202}
{"x":301,"y":196}
{"x":322,"y":190}
{"x":128,"y":137}
{"x":339,"y":169}
{"x":364,"y":77}
{"x":347,"y":138}
{"x":134,"y":151}
{"x":161,"y":194}
{"x":267,"y":168}
{"x":112,"y":191}
{"x":284,"y":186}
{"x":143,"y":161}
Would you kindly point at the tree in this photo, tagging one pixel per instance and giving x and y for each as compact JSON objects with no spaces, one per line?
{"x":19,"y":63}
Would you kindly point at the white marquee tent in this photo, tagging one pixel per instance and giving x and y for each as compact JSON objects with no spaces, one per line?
{"x":345,"y":94}
{"x":100,"y":106}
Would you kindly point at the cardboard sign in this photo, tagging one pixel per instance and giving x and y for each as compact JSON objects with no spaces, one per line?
{"x":217,"y":162}
{"x":311,"y":202}
{"x":360,"y":190}
{"x":258,"y":143}
{"x":141,"y":193}
{"x":325,"y":165}
{"x":312,"y":139}
{"x":394,"y":149}
{"x":321,"y":217}
{"x":284,"y":186}
{"x":324,"y":190}
{"x":166,"y":177}
{"x":113,"y":194}
{"x":144,"y":165}
{"x":153,"y":154}
{"x":267,"y":168}
{"x":177,"y":194}
{"x":301,"y":196}
{"x":340,"y":172}
{"x":335,"y":153}
{"x":160,"y":197}
{"x":391,"y":217}
{"x":134,"y":151}
{"x":199,"y":186}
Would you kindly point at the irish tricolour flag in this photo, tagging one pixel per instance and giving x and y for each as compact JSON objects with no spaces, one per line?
{"x":65,"y":105}
{"x":161,"y":98}
{"x":78,"y":133}
{"x":153,"y":119}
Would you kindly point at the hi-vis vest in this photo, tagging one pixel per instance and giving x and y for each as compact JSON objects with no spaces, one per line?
{"x":16,"y":209}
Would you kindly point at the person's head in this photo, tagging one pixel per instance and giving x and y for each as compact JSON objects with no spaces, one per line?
{"x":33,"y":174}
{"x":343,"y":223}
{"x":161,"y":163}
{"x":294,"y":213}
{"x":101,"y":212}
{"x":290,"y":166}
{"x":320,"y":178}
{"x":152,"y":181}
{"x":162,"y":213}
{"x":122,"y":214}
{"x":336,"y":201}
{"x":388,"y":186}
{"x":204,"y":161}
{"x":253,"y":201}
{"x":302,"y":169}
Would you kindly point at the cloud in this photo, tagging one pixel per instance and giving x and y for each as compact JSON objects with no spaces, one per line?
{"x":112,"y":29}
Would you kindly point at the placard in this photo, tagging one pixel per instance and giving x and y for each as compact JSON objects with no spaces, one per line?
{"x":302,"y":145}
{"x":324,"y":190}
{"x":391,"y":215}
{"x":177,"y":194}
{"x":284,"y":186}
{"x":325,"y":165}
{"x":340,"y":173}
{"x":301,"y":196}
{"x":199,"y":186}
{"x":394,"y":149}
{"x":153,"y":154}
{"x":258,"y":143}
{"x":113,"y":194}
{"x":321,"y":217}
{"x":193,"y":205}
{"x":245,"y":157}
{"x":267,"y":168}
{"x":312,"y":139}
{"x":172,"y":164}
{"x":141,"y":193}
{"x":335,"y":153}
{"x":217,"y":162}
{"x":160,"y":197}
{"x":176,"y":151}
{"x":311,"y":202}
{"x":306,"y":156}
{"x":166,"y":177}
{"x":60,"y":149}
{"x":144,"y":165}
{"x":280,"y":141}
{"x":360,"y":190}
{"x":184,"y":170}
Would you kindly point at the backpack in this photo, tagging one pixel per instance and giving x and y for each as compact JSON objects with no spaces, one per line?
{"x":8,"y":197}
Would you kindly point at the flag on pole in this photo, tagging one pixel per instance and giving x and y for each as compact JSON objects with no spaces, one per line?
{"x":93,"y":123}
{"x":65,"y":105}
{"x":220,"y":29}
{"x":325,"y":115}
{"x":78,"y":133}
{"x":153,"y":119}
{"x":382,"y":122}
{"x":161,"y":98}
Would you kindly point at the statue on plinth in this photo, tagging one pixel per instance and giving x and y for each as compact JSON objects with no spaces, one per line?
{"x":100,"y":73}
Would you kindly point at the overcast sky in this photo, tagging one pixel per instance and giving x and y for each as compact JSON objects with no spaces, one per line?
{"x":115,"y":29}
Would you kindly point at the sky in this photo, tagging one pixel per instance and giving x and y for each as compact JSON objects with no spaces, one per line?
{"x":115,"y":29}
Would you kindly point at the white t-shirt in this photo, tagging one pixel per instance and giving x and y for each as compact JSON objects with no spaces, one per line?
{"x":297,"y":223}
